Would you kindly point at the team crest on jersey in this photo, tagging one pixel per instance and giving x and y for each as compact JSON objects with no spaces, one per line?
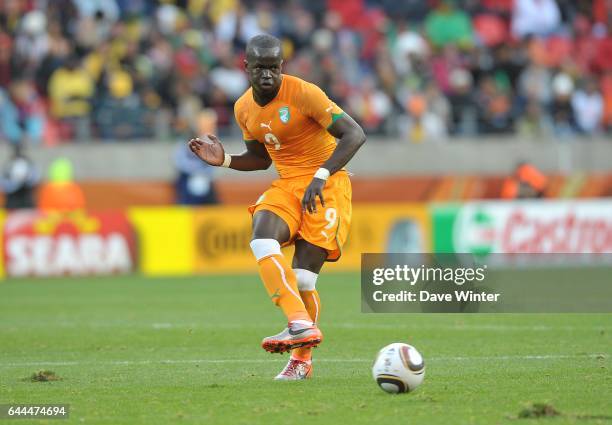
{"x":284,"y":114}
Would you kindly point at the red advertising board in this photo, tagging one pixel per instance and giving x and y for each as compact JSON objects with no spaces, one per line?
{"x":576,"y":232}
{"x":76,"y":243}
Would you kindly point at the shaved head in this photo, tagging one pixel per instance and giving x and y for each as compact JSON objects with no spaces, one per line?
{"x":263,"y":45}
{"x":263,"y":65}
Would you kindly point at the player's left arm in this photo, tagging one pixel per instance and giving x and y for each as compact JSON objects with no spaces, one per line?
{"x":350,"y":137}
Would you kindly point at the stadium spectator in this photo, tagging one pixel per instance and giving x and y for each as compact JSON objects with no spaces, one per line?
{"x":119,"y":113}
{"x":490,"y":29}
{"x":423,"y":122}
{"x":60,"y":192}
{"x":525,"y":182}
{"x":442,"y":65}
{"x":188,"y":107}
{"x":238,"y":26}
{"x":462,"y":104}
{"x":535,"y":17}
{"x":447,"y":24}
{"x":6,"y":59}
{"x":606,"y":88}
{"x":94,"y":23}
{"x":71,"y":49}
{"x":439,"y":107}
{"x":71,"y":91}
{"x":561,"y":109}
{"x":195,"y":181}
{"x":19,"y":180}
{"x":494,"y":107}
{"x":409,"y":45}
{"x":588,"y":108}
{"x":22,"y":114}
{"x":602,"y":10}
{"x":585,"y":45}
{"x":228,"y":77}
{"x":535,"y":83}
{"x":413,"y":11}
{"x":602,"y":62}
{"x":32,"y":41}
{"x":9,"y":119}
{"x":370,"y":105}
{"x":533,"y":124}
{"x":57,"y":53}
{"x":106,"y":9}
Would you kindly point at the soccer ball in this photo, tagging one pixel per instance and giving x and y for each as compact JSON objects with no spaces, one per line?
{"x":398,"y":368}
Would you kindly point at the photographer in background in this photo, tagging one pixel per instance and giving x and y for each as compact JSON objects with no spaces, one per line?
{"x":194,"y":184}
{"x":19,"y":180}
{"x":60,"y":192}
{"x":527,"y":182}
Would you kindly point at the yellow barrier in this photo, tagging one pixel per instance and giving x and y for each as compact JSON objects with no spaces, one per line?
{"x":384,"y":228}
{"x":2,"y":217}
{"x":222,"y":236}
{"x":165,"y":240}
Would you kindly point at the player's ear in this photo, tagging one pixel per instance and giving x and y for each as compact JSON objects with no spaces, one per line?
{"x":246,"y":64}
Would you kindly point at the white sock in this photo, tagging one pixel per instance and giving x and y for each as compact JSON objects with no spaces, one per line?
{"x":302,"y":323}
{"x":263,"y":248}
{"x":306,"y":279}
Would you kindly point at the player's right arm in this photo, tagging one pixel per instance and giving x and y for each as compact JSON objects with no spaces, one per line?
{"x":255,"y":157}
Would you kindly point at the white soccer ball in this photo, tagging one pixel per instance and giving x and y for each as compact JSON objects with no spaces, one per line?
{"x":398,"y":368}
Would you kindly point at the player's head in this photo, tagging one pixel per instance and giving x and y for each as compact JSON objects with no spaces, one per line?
{"x":263,"y":63}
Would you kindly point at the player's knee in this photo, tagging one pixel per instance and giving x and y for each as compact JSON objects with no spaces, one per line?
{"x":263,"y":248}
{"x":306,"y":279}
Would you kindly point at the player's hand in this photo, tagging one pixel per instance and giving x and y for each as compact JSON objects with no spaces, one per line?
{"x":314,"y":189}
{"x":210,"y":152}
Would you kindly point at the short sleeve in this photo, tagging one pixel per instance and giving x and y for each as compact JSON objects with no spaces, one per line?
{"x":239,"y":115}
{"x":319,"y":107}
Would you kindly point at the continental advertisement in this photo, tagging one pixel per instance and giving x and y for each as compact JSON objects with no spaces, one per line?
{"x":523,"y":228}
{"x":222,"y":236}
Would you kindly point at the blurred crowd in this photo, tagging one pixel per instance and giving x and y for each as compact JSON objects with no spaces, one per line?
{"x":414,"y":69}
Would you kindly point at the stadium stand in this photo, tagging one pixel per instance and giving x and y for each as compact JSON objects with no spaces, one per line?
{"x":140,"y":69}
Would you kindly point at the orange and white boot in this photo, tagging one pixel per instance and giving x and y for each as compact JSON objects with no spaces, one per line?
{"x":295,"y":335}
{"x":295,"y":370}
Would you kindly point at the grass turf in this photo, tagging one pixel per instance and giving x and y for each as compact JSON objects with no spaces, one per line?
{"x":131,"y":350}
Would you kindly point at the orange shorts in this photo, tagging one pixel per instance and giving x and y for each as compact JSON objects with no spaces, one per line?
{"x":328,"y":227}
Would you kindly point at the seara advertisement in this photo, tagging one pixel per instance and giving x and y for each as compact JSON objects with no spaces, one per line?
{"x":77,"y":243}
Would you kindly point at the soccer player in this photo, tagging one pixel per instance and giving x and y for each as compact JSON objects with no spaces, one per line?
{"x":292,"y":123}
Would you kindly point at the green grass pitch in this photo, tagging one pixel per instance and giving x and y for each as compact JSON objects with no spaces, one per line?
{"x":132,"y":350}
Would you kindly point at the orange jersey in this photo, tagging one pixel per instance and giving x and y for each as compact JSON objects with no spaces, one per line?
{"x":293,"y":126}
